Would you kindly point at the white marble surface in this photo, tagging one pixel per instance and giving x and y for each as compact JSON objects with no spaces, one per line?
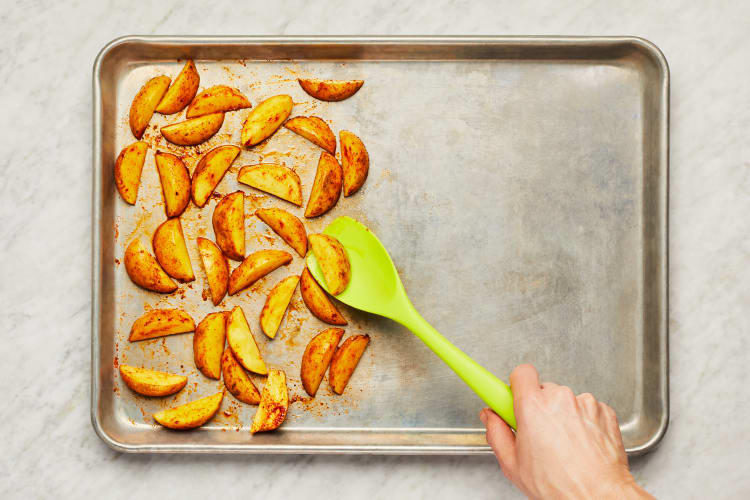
{"x":49,"y":447}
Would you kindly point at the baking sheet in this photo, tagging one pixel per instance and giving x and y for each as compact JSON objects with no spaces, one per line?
{"x":520,"y":185}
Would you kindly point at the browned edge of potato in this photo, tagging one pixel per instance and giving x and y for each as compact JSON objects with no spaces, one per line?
{"x":265,"y":119}
{"x":170,"y":250}
{"x":128,"y":168}
{"x":182,"y":90}
{"x":276,"y":305}
{"x":355,"y":161}
{"x":287,"y":226}
{"x":144,"y":104}
{"x":242,"y":342}
{"x":193,"y":131}
{"x":316,"y":358}
{"x":160,"y":323}
{"x":217,"y":99}
{"x":315,"y":130}
{"x":237,"y":381}
{"x":190,"y":415}
{"x":208,"y":344}
{"x":333,"y":260}
{"x":274,"y":179}
{"x":216,"y":267}
{"x":229,"y":225}
{"x":151,"y":382}
{"x":255,"y":266}
{"x":145,"y":271}
{"x":330,"y":90}
{"x":274,"y":403}
{"x":210,"y":170}
{"x":345,"y":360}
{"x":326,"y":188}
{"x":318,"y":301}
{"x":175,"y":183}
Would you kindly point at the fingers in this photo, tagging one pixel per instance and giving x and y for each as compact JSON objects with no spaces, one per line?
{"x":524,"y":380}
{"x":589,"y":406}
{"x":502,"y":440}
{"x":609,"y":418}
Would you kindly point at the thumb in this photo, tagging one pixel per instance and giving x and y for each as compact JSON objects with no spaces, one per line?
{"x":502,"y":440}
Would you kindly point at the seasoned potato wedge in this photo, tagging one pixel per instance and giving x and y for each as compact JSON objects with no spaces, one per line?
{"x":276,"y":304}
{"x":208,"y":344}
{"x":330,"y":90}
{"x":316,"y":358}
{"x":334,"y":262}
{"x":317,"y":301}
{"x":190,"y":415}
{"x":314,"y":130}
{"x":175,"y":183}
{"x":265,"y":119}
{"x":210,"y":170}
{"x":193,"y":130}
{"x":217,"y":269}
{"x":145,"y":271}
{"x":237,"y":381}
{"x":229,"y":225}
{"x":242,"y":342}
{"x":255,"y":266}
{"x":217,"y":99}
{"x":326,"y":186}
{"x":274,"y":402}
{"x":145,"y":102}
{"x":354,"y":160}
{"x":345,"y":361}
{"x":128,"y":167}
{"x":273,"y":179}
{"x":160,"y":323}
{"x":170,"y":250}
{"x":151,"y":382}
{"x":286,"y":225}
{"x":182,"y":90}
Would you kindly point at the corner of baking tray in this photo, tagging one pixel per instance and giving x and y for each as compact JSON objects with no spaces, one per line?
{"x":650,"y":50}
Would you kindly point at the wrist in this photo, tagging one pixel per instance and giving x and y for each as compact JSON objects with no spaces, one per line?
{"x":622,"y":485}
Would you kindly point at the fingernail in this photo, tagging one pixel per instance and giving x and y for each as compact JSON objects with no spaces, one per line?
{"x":483,"y":416}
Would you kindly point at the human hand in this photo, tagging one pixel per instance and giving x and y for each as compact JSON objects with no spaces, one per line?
{"x":566,"y":446}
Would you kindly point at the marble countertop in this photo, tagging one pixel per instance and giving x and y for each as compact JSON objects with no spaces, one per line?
{"x":47,"y":52}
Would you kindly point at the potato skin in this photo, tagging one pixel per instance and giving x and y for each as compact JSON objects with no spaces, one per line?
{"x":333,"y":260}
{"x":316,"y":358}
{"x":265,"y":119}
{"x":216,"y":267}
{"x":274,"y":402}
{"x":237,"y":381}
{"x":345,"y":360}
{"x":193,"y":131}
{"x":208,"y":344}
{"x":276,"y":305}
{"x":318,"y":302}
{"x":144,"y":104}
{"x":229,"y":225}
{"x":315,"y":130}
{"x":286,"y":225}
{"x":145,"y":271}
{"x":128,"y":168}
{"x":160,"y":323}
{"x":355,"y":162}
{"x":170,"y":250}
{"x":151,"y":382}
{"x":190,"y":415}
{"x":182,"y":90}
{"x":210,"y":170}
{"x":175,"y":183}
{"x":326,"y":188}
{"x":330,"y":90}
{"x":277,"y":180}
{"x":217,"y":99}
{"x":255,"y":266}
{"x":242,"y":342}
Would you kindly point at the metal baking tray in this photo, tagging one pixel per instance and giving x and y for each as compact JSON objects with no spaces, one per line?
{"x":520,"y":184}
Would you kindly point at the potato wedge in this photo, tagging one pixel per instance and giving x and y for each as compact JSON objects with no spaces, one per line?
{"x":242,"y":342}
{"x":326,"y":186}
{"x":145,"y":102}
{"x":330,"y":90}
{"x":175,"y":183}
{"x":217,"y":99}
{"x":209,"y":172}
{"x":255,"y":266}
{"x":274,"y":402}
{"x":229,"y":225}
{"x":237,"y":381}
{"x":151,"y":382}
{"x":273,"y":179}
{"x":182,"y":90}
{"x":265,"y":119}
{"x":193,"y":130}
{"x":314,"y":130}
{"x":354,"y":160}
{"x":276,"y":304}
{"x":208,"y":344}
{"x":345,"y":361}
{"x":316,"y":358}
{"x":170,"y":250}
{"x":128,"y":167}
{"x":333,"y":261}
{"x":286,"y":225}
{"x":190,"y":415}
{"x":317,"y":301}
{"x":160,"y":323}
{"x":217,"y":269}
{"x":145,"y":271}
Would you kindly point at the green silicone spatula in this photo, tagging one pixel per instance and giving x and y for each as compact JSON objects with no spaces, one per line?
{"x":376,"y":288}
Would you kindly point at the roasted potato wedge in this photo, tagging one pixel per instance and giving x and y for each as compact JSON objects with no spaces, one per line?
{"x":265,"y":119}
{"x":170,"y":250}
{"x":208,"y":344}
{"x":274,"y":402}
{"x":217,"y":99}
{"x":145,"y":102}
{"x":190,"y":415}
{"x":217,"y":269}
{"x":276,"y":304}
{"x":345,"y":361}
{"x":229,"y":225}
{"x":210,"y":170}
{"x":316,"y":358}
{"x":237,"y":381}
{"x":145,"y":271}
{"x":273,"y":179}
{"x":286,"y":225}
{"x":318,"y":302}
{"x":242,"y":342}
{"x":128,"y":167}
{"x":182,"y":90}
{"x":330,"y":90}
{"x":326,"y":186}
{"x":255,"y":266}
{"x":151,"y":382}
{"x":175,"y":183}
{"x":193,"y":130}
{"x":160,"y":323}
{"x":333,"y":261}
{"x":314,"y":130}
{"x":354,"y":160}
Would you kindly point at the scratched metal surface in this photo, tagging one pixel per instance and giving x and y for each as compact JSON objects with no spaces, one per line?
{"x":519,"y":183}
